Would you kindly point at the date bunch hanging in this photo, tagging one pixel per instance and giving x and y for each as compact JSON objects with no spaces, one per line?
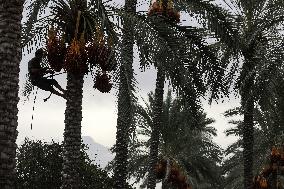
{"x":275,"y":167}
{"x":260,"y":182}
{"x":277,"y":155}
{"x":103,"y":83}
{"x":155,"y":8}
{"x":76,"y":57}
{"x":56,"y":50}
{"x":165,"y":8}
{"x":170,"y":171}
{"x":100,"y":54}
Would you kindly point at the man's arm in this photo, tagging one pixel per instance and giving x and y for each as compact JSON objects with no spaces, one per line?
{"x":39,"y":71}
{"x":35,"y":68}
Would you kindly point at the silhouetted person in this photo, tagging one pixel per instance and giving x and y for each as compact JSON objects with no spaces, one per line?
{"x":37,"y":72}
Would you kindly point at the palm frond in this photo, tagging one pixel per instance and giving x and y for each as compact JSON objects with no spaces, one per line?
{"x":216,"y":18}
{"x":27,"y":89}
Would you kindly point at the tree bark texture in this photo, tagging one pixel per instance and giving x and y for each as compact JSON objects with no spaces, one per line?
{"x":124,"y":103}
{"x":248,"y":129}
{"x":154,"y":139}
{"x":248,"y":141}
{"x":10,"y":57}
{"x":72,"y":132}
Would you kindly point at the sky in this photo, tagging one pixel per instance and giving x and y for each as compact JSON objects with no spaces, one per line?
{"x":99,"y":110}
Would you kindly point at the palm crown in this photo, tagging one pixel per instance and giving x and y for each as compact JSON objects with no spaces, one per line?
{"x":182,"y":141}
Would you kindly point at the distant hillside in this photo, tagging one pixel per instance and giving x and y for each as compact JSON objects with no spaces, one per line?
{"x":103,"y":155}
{"x":97,"y":152}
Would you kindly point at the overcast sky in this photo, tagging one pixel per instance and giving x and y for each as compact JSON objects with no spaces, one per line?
{"x":99,"y":110}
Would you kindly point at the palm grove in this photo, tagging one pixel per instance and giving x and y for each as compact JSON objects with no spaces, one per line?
{"x":237,"y":49}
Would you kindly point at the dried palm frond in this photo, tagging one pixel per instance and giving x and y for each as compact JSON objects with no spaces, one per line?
{"x":28,"y":88}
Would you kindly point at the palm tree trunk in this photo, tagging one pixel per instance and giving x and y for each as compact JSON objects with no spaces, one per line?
{"x":248,"y":141}
{"x":10,"y":57}
{"x":124,"y":103}
{"x":248,"y":129}
{"x":72,"y":132}
{"x":157,"y":111}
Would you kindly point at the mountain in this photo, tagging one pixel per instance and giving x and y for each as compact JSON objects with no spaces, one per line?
{"x":97,"y":152}
{"x":102,"y":155}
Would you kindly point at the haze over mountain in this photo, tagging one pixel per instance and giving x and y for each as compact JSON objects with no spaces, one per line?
{"x":102,"y":155}
{"x":97,"y":152}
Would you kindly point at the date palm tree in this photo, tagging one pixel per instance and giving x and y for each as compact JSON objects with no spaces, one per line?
{"x":74,"y":20}
{"x":249,"y":29}
{"x":162,"y":48}
{"x":180,"y":54}
{"x":184,"y":140}
{"x":123,"y":77}
{"x":125,"y":100}
{"x":196,"y":66}
{"x":157,"y":113}
{"x":269,"y":132}
{"x":10,"y":57}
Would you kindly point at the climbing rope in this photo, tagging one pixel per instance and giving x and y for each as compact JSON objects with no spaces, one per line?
{"x":52,"y":75}
{"x":34,"y":109}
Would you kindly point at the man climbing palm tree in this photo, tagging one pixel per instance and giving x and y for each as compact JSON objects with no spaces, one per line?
{"x":37,"y":72}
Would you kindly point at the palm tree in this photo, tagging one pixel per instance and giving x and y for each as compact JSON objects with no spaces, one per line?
{"x":232,"y":166}
{"x":10,"y":56}
{"x":193,"y":73}
{"x":251,"y":31}
{"x":157,"y":113}
{"x":268,"y":133}
{"x":181,"y":140}
{"x":156,"y":48}
{"x":125,"y":100}
{"x":76,"y":21}
{"x":157,"y":118}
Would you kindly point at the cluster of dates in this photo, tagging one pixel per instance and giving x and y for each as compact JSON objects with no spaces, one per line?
{"x":76,"y":57}
{"x":79,"y":55}
{"x":260,"y":182}
{"x":56,"y":49}
{"x":276,"y":167}
{"x":168,"y":11}
{"x":175,"y":176}
{"x":101,"y":54}
{"x":277,"y":155}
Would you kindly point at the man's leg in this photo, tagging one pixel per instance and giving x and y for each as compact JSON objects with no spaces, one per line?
{"x":46,"y":84}
{"x":60,"y":88}
{"x":58,"y":93}
{"x":55,"y":84}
